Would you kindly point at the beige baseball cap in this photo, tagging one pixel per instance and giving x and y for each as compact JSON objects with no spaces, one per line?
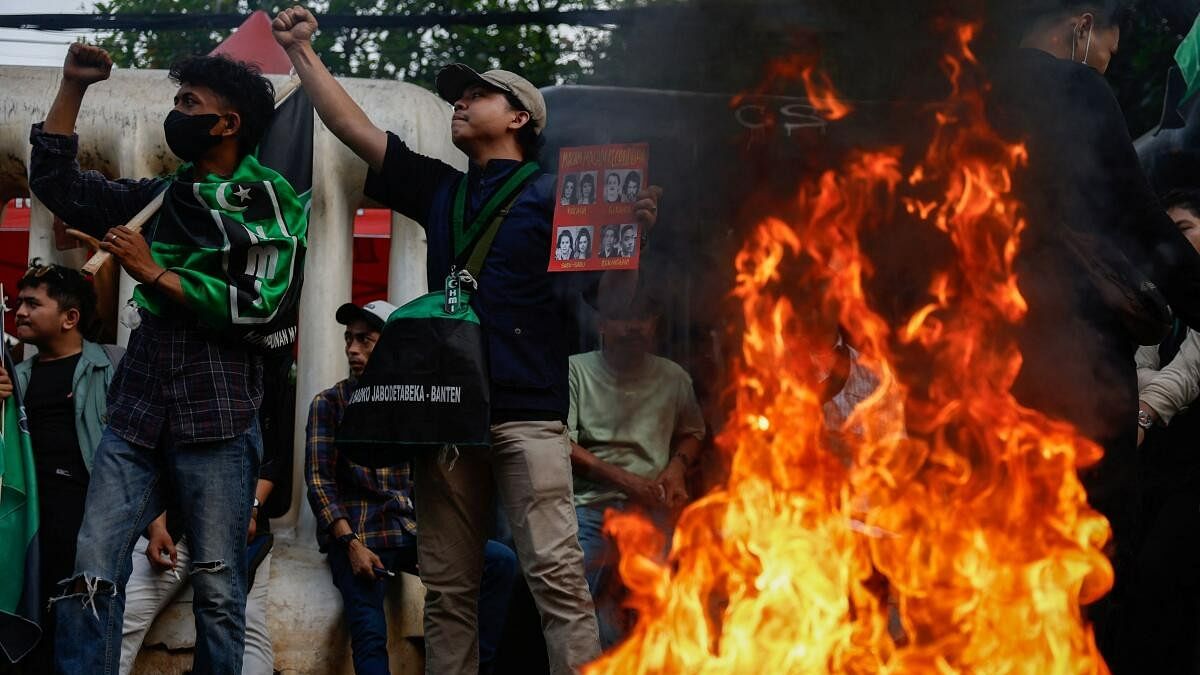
{"x":454,"y":79}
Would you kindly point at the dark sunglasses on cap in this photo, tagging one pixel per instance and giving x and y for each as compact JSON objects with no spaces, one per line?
{"x":37,"y":271}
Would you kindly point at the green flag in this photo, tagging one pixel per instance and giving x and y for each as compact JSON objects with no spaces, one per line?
{"x":1188,"y":58}
{"x":237,"y":244}
{"x":20,"y":587}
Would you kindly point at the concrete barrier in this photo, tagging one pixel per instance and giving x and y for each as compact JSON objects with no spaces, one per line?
{"x":120,"y":129}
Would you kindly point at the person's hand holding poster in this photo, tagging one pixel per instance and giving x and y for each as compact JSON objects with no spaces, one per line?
{"x":594,"y":226}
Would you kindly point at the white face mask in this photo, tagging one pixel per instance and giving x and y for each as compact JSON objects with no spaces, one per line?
{"x":1088,"y":46}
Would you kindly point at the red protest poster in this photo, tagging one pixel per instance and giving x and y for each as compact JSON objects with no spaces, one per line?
{"x":594,"y":227}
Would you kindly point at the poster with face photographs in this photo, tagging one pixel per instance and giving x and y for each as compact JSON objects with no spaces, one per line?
{"x":594,"y":227}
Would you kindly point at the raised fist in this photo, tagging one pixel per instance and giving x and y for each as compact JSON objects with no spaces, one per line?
{"x":86,"y":64}
{"x":294,"y":27}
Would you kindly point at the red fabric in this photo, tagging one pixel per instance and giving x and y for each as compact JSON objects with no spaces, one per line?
{"x":13,"y":261}
{"x":373,"y":223}
{"x":15,"y":218}
{"x":372,"y":244}
{"x":253,"y":42}
{"x":370,"y":269}
{"x":14,"y":248}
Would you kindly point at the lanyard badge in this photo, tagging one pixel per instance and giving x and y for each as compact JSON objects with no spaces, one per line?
{"x":452,"y":296}
{"x":457,"y":282}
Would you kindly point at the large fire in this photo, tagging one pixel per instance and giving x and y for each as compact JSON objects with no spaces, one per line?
{"x":962,"y":543}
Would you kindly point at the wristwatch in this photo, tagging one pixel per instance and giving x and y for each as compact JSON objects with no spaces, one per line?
{"x":256,"y":503}
{"x":345,"y":539}
{"x":1145,"y":421}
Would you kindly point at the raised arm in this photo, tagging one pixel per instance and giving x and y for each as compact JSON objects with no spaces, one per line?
{"x":293,"y":30}
{"x":1175,"y":387}
{"x":86,"y":200}
{"x":85,"y":65}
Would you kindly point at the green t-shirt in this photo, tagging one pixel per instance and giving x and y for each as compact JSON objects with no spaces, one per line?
{"x":629,"y":421}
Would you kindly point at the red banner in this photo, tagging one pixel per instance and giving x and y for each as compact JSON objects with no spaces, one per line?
{"x":594,"y":227}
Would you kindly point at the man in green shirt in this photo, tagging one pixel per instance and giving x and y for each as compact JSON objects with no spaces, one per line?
{"x":635,"y":429}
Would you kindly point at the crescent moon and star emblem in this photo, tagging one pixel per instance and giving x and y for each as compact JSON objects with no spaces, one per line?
{"x":241,"y":192}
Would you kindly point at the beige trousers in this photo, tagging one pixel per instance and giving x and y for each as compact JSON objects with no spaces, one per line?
{"x":529,"y":468}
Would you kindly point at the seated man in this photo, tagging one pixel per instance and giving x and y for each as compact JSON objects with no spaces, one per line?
{"x":635,"y":428}
{"x":365,"y":518}
{"x":64,"y":387}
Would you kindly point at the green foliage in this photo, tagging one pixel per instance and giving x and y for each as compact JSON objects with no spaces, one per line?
{"x":694,"y":52}
{"x":543,"y":54}
{"x":159,"y":49}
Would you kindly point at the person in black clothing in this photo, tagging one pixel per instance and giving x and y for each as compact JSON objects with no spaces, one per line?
{"x":610,"y":246}
{"x":63,"y":387}
{"x":1165,"y":613}
{"x":1097,"y":260}
{"x":628,"y":240}
{"x":497,"y":120}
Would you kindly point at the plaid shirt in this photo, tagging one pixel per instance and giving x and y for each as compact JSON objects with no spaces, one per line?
{"x":174,"y":377}
{"x":377,"y":503}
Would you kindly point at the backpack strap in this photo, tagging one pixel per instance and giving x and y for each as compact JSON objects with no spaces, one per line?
{"x":1169,"y":347}
{"x":483,"y":245}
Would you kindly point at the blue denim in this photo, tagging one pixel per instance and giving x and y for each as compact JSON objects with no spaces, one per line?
{"x":363,"y":603}
{"x":600,"y":566}
{"x":214,"y":488}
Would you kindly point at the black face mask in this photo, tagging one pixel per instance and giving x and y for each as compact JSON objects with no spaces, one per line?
{"x":187,"y":135}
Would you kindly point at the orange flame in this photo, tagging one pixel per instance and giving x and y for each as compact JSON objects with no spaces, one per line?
{"x":821,"y":93}
{"x":824,"y":99}
{"x":970,"y":526}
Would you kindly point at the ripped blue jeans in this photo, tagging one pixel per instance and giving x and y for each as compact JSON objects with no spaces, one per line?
{"x":213,"y":486}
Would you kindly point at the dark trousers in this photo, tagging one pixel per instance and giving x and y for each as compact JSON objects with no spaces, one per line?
{"x":1163,"y":606}
{"x":214,"y":486}
{"x":1164,"y":621}
{"x":363,"y":603}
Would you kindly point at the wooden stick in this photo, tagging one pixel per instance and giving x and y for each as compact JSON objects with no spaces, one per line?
{"x":4,"y":348}
{"x":135,"y":224}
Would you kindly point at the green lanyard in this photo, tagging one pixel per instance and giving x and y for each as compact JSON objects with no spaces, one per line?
{"x":463,"y":238}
